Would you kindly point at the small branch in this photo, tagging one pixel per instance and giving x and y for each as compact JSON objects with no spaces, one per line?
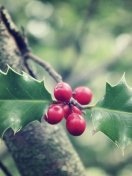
{"x":28,"y":68}
{"x":81,"y":107}
{"x":46,"y":65}
{"x":54,"y":75}
{"x":22,"y":43}
{"x":4,"y":169}
{"x":88,"y":106}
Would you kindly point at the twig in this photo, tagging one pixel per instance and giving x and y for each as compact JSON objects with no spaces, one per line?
{"x":28,"y":68}
{"x":46,"y":65}
{"x":4,"y":169}
{"x":81,"y":107}
{"x":54,"y":75}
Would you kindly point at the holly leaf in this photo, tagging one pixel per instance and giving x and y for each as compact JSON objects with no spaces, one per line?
{"x":23,"y":99}
{"x":112,"y":115}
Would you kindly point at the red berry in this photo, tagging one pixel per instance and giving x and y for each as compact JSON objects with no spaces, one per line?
{"x":75,"y":124}
{"x":56,"y":104}
{"x":45,"y":117}
{"x":68,"y":110}
{"x":54,"y":114}
{"x":62,"y":92}
{"x":83,"y":95}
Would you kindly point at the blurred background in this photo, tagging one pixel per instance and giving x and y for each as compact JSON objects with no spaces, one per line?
{"x":88,"y":42}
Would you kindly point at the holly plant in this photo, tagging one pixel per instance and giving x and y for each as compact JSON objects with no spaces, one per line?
{"x":24,"y":99}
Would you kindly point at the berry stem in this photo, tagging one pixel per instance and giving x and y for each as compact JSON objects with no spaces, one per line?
{"x":74,"y":102}
{"x":88,"y":106}
{"x":81,"y":107}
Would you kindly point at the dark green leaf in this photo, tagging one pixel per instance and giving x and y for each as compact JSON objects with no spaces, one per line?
{"x":22,"y":100}
{"x":112,"y":115}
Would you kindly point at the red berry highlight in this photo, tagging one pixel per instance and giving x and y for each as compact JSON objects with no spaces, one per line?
{"x":83,"y":95}
{"x":75,"y":124}
{"x":69,"y":110}
{"x":54,"y":114}
{"x":62,"y":92}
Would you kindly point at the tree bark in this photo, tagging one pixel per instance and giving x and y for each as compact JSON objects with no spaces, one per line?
{"x":39,"y":148}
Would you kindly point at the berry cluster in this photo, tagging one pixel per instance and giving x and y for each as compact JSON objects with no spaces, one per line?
{"x":75,"y":123}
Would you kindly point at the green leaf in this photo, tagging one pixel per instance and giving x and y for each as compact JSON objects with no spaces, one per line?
{"x":23,"y":99}
{"x":112,"y":115}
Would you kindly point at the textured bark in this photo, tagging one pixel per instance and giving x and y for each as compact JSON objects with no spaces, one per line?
{"x":9,"y":53}
{"x":38,"y":149}
{"x":42,"y":149}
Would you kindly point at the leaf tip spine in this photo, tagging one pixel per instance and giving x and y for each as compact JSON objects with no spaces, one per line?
{"x":123,"y":79}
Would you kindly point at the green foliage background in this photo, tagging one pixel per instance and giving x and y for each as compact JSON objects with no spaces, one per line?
{"x":87,"y":42}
